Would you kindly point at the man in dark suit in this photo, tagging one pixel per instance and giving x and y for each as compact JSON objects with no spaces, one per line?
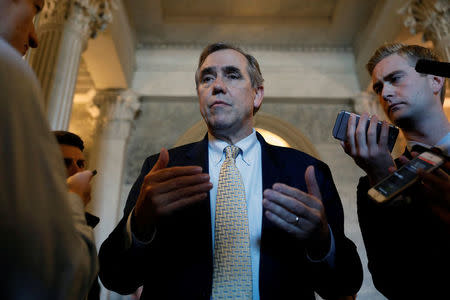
{"x":168,"y":239}
{"x":407,"y":239}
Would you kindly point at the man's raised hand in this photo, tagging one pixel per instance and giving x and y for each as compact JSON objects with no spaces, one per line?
{"x":166,"y":190}
{"x":299,"y":213}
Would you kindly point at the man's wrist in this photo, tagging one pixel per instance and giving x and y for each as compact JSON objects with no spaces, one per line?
{"x":319,"y":249}
{"x":375,"y":178}
{"x":142,"y":233}
{"x":330,"y":257}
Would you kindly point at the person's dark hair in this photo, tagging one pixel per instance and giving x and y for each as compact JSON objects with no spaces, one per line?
{"x":253,"y":69}
{"x":69,"y":138}
{"x":410,"y":52}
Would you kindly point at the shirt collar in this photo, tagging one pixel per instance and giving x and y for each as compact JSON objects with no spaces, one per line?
{"x":443,"y":144}
{"x":247,"y":145}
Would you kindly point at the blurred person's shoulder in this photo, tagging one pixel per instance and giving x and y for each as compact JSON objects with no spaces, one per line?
{"x":11,"y":60}
{"x":16,"y":76}
{"x":21,"y":92}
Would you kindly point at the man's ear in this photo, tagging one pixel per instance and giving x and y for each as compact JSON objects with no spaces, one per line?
{"x":437,"y":82}
{"x":259,"y":95}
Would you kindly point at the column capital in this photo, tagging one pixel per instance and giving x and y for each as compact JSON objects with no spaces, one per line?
{"x":118,"y":109}
{"x":432,"y":17}
{"x":85,"y":16}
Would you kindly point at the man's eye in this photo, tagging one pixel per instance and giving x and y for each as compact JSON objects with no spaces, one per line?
{"x":81,"y":164}
{"x":206,"y":79}
{"x":67,"y":162}
{"x":395,"y":79}
{"x":233,"y":76}
{"x":377,"y":89}
{"x":38,"y":8}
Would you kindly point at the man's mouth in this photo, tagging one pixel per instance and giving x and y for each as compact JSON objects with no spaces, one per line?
{"x":219,"y":103}
{"x":394,"y":107}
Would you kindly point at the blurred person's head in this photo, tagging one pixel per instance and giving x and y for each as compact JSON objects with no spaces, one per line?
{"x":16,"y":23}
{"x":405,"y":95}
{"x":72,"y":147}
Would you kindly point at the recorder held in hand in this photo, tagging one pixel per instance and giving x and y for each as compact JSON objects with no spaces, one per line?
{"x":340,"y":129}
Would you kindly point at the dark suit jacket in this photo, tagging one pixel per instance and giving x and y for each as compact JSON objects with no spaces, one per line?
{"x":178,"y":263}
{"x":408,"y":247}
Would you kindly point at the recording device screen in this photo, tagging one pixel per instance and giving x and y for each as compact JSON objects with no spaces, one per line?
{"x":404,"y":176}
{"x":340,"y":129}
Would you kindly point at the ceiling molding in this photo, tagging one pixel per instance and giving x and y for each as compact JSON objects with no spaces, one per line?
{"x":250,"y":47}
{"x":300,"y":25}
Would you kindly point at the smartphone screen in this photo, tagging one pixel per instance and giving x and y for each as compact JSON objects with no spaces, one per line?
{"x":405,"y":176}
{"x":340,"y":129}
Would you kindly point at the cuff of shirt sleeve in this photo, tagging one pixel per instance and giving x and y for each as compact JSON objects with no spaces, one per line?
{"x":77,"y":207}
{"x":131,"y":240}
{"x":330,"y":258}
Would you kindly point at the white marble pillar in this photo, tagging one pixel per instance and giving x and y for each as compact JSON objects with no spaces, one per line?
{"x":118,"y":109}
{"x":432,"y":17}
{"x":63,"y":31}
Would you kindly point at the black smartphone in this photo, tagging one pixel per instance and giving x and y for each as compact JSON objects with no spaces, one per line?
{"x":398,"y":181}
{"x":340,"y":129}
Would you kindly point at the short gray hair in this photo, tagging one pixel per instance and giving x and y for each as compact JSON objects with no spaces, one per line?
{"x":256,"y":78}
{"x":253,"y":69}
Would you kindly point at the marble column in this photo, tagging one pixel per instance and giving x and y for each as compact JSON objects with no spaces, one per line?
{"x":117,"y":111}
{"x":432,"y":17}
{"x":63,"y":31}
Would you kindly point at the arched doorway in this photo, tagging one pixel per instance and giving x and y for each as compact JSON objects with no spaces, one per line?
{"x":274,"y":130}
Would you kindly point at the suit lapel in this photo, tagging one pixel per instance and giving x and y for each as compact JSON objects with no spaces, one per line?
{"x":198,"y":155}
{"x":270,"y":174}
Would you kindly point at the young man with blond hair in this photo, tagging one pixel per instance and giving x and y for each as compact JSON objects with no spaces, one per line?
{"x":407,"y":243}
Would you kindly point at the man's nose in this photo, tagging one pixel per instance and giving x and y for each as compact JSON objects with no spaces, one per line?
{"x":74,"y":168}
{"x":219,"y":86}
{"x":387,"y":92}
{"x":32,"y":38}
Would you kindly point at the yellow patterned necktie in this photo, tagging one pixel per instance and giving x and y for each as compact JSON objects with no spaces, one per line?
{"x":232,"y":274}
